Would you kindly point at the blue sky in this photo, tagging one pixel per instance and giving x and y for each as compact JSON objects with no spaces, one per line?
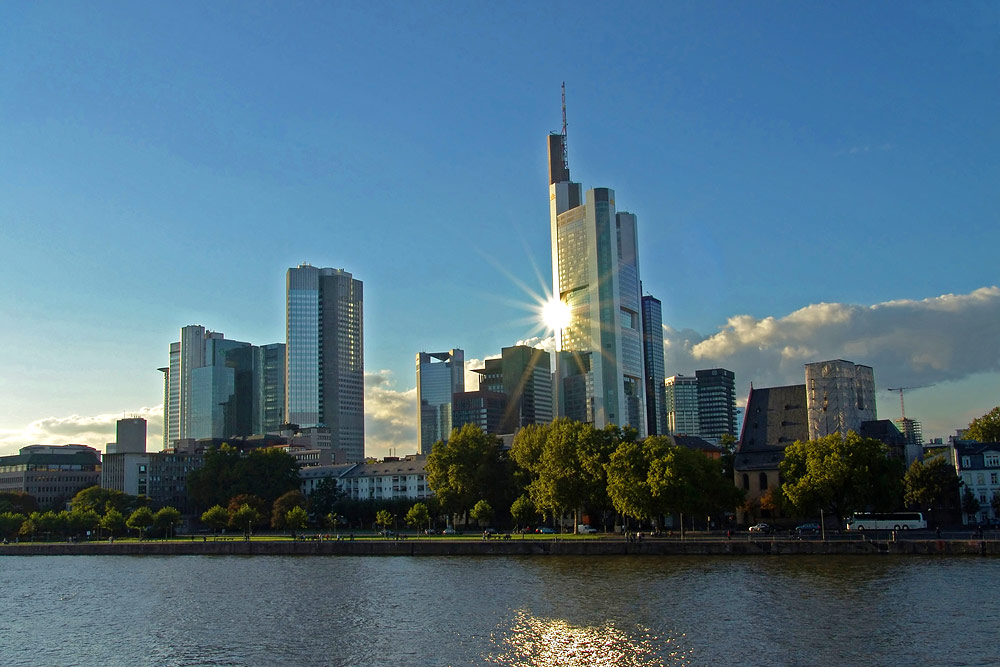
{"x":163,"y":165}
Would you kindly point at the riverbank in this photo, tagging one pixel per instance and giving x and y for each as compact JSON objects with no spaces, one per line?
{"x":515,"y":547}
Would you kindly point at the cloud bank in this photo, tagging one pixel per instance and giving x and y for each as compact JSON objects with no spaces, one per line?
{"x":95,"y":431}
{"x":907,"y":342}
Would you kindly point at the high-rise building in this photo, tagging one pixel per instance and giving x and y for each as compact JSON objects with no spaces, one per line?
{"x":839,"y":396}
{"x":324,"y":355}
{"x":440,"y":375}
{"x":209,"y":387}
{"x":595,"y":272}
{"x":652,"y":354}
{"x":716,"y":403}
{"x":130,"y":436}
{"x":485,"y":409}
{"x":681,"y":405}
{"x":522,"y":374}
{"x":271,"y":386}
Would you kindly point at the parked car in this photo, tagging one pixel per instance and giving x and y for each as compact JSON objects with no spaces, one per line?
{"x":545,"y":530}
{"x":450,"y":531}
{"x":585,"y":529}
{"x":809,"y":528}
{"x":761,"y":528}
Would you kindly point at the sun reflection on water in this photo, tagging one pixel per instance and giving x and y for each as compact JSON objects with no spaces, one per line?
{"x":541,"y":642}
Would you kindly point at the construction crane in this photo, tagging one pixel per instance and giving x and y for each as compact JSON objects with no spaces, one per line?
{"x":902,"y":409}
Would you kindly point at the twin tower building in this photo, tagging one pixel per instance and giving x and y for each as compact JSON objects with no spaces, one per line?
{"x":609,"y":366}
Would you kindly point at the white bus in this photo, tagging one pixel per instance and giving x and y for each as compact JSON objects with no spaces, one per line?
{"x":886,"y":521}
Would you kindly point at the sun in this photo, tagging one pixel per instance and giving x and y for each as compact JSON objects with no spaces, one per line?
{"x":555,"y":314}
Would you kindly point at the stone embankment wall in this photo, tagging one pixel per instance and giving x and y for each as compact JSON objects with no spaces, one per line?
{"x":515,"y":547}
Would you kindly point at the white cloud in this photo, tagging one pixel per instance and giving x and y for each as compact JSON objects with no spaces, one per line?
{"x":390,"y":416}
{"x":95,"y":431}
{"x":907,"y":342}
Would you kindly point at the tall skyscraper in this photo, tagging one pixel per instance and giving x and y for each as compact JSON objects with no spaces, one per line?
{"x":209,"y":387}
{"x":839,"y":396}
{"x":324,"y":355}
{"x":652,"y":353}
{"x":716,"y":403}
{"x":681,"y":403}
{"x":595,"y":272}
{"x":440,"y":375}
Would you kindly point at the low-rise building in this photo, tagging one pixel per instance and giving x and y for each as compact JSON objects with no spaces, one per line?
{"x":393,"y":478}
{"x":978,"y":466}
{"x":52,"y":474}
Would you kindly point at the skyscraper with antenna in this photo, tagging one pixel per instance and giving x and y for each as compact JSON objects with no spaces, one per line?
{"x":595,"y":272}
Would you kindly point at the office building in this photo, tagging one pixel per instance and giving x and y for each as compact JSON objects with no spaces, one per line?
{"x":681,"y":404}
{"x":595,"y":272}
{"x":485,"y":409}
{"x":440,"y":375}
{"x":130,"y":436}
{"x":271,"y":387}
{"x":716,"y":403}
{"x":324,"y":355}
{"x":652,"y":354}
{"x":523,"y":375}
{"x":839,"y":396}
{"x":51,"y":473}
{"x":210,"y":387}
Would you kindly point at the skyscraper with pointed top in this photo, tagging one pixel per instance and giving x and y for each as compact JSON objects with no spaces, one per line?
{"x":595,"y":271}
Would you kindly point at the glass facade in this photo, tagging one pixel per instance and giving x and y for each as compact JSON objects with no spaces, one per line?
{"x":716,"y":403}
{"x":440,"y":375}
{"x":324,"y":354}
{"x":652,"y":352}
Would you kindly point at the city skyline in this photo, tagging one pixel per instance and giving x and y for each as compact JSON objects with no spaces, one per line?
{"x":810,"y":183}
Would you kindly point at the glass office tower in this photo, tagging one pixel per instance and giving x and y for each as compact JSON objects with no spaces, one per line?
{"x":440,"y":375}
{"x":595,"y":272}
{"x":324,"y":355}
{"x":652,"y":352}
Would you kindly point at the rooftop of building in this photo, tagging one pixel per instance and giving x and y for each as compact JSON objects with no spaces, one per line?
{"x":775,"y":418}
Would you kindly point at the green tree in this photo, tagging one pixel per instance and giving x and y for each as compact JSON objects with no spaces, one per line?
{"x":566,"y":461}
{"x":523,"y":511}
{"x":10,"y":524}
{"x":29,"y":527}
{"x":216,"y":517}
{"x":285,"y":503}
{"x":469,"y":466}
{"x":167,"y":519}
{"x":985,"y":428}
{"x":970,"y":504}
{"x":82,"y":521}
{"x":418,"y":516}
{"x":628,"y":477}
{"x":931,"y":484}
{"x":266,"y":472}
{"x":324,"y":496}
{"x":17,"y":502}
{"x":384,"y":519}
{"x":333,"y":521}
{"x":113,"y":521}
{"x":840,"y":475}
{"x":140,"y":520}
{"x":482,"y":513}
{"x":245,"y":518}
{"x":100,"y":500}
{"x":236,"y":503}
{"x":295,"y":519}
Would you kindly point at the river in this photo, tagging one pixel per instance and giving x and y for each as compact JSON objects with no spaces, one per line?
{"x":545,"y":610}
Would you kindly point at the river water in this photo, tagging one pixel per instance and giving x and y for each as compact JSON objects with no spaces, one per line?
{"x":544,"y":610}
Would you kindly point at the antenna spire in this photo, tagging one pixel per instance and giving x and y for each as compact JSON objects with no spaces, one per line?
{"x":565,"y":154}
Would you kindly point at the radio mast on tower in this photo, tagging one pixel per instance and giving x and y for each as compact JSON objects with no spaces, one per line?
{"x":564,"y":143}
